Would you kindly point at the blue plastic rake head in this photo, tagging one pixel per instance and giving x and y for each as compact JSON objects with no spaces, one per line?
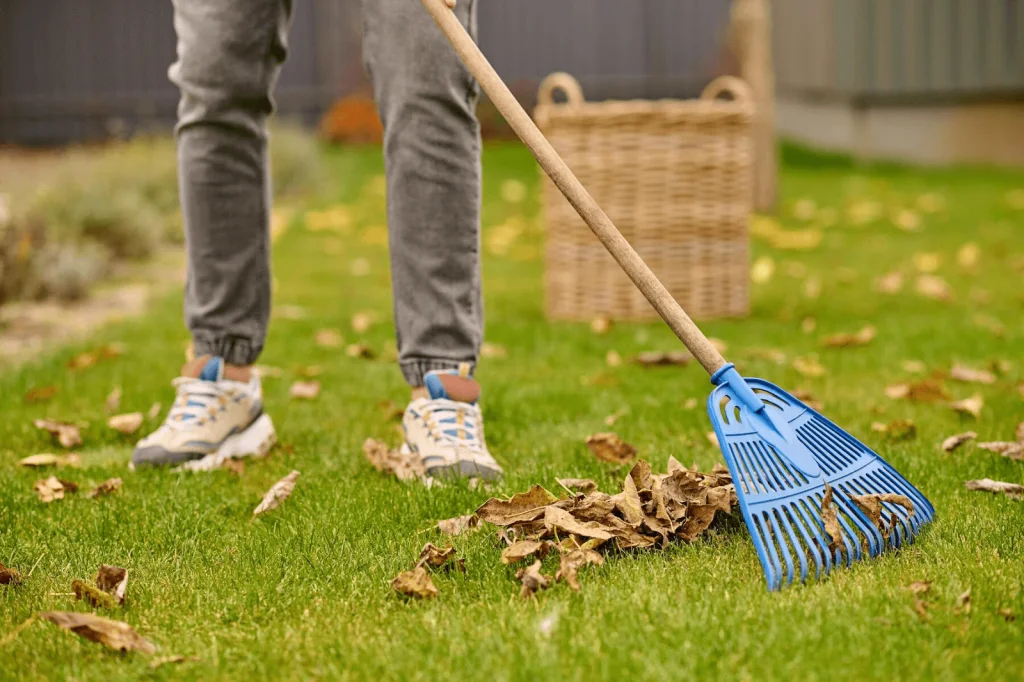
{"x":781,"y":453}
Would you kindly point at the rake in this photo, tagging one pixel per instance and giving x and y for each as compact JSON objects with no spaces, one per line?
{"x":813,"y":497}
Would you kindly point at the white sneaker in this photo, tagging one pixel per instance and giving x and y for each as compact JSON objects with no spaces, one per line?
{"x":446,"y":430}
{"x":212,"y":420}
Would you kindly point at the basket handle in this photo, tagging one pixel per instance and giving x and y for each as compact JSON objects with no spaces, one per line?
{"x":732,"y":85}
{"x":563,"y":81}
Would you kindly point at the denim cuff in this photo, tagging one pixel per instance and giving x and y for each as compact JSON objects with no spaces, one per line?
{"x":236,"y":350}
{"x":414,"y":370}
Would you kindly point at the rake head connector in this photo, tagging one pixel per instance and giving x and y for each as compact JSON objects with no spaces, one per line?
{"x":798,"y":477}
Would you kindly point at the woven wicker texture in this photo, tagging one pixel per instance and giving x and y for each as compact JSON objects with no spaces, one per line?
{"x":674,"y":176}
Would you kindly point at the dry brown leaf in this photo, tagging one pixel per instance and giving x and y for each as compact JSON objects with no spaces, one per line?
{"x":934,"y":287}
{"x":830,"y":518}
{"x":559,"y":519}
{"x":528,"y":506}
{"x":113,"y":580}
{"x":608,"y":447}
{"x":406,"y":466}
{"x":532,"y":579}
{"x":235,"y":466}
{"x":1019,"y":432}
{"x":571,"y":563}
{"x":167,"y":660}
{"x":522,"y":549}
{"x":612,"y":358}
{"x":114,"y":400}
{"x":860,"y":338}
{"x":126,"y":423}
{"x":40,"y":394}
{"x":602,"y":324}
{"x":362,"y":321}
{"x":913,"y":366}
{"x":968,"y":255}
{"x":971,"y":406}
{"x":1007,"y":613}
{"x":808,"y":325}
{"x":969,"y":375}
{"x":919,"y":587}
{"x":923,"y":391}
{"x":111,"y":633}
{"x":52,"y":488}
{"x":891,"y":283}
{"x":1013,"y":490}
{"x":493,"y":350}
{"x":921,"y":609}
{"x":698,"y":518}
{"x":360,"y":350}
{"x":415,"y":583}
{"x":871,"y":505}
{"x":108,"y":486}
{"x":812,"y":288}
{"x":898,"y":429}
{"x":955,"y":441}
{"x":628,"y":503}
{"x":927,"y":262}
{"x":1008,"y":449}
{"x":45,"y":460}
{"x":458,"y":525}
{"x":809,"y":366}
{"x":584,"y":485}
{"x":656,"y":358}
{"x":304,"y":390}
{"x":278,"y":493}
{"x":154,"y":411}
{"x":92,"y":595}
{"x":67,"y":434}
{"x":329,"y":338}
{"x":432,"y":557}
{"x":9,"y":576}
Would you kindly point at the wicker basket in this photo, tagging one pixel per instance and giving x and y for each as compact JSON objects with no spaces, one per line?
{"x":675,"y":177}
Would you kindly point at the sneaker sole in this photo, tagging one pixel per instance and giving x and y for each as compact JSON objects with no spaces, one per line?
{"x":460,"y":469}
{"x":255,"y":441}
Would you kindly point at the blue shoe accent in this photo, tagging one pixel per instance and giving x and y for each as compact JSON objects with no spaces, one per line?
{"x":434,"y":386}
{"x":213,"y":370}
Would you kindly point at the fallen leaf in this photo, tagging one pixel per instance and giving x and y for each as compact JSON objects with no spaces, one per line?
{"x":919,"y":587}
{"x":154,"y":411}
{"x":523,"y":549}
{"x":712,"y":438}
{"x":415,"y":583}
{"x":362,"y":321}
{"x":830,"y":518}
{"x":9,"y":576}
{"x":111,"y":633}
{"x":304,"y":390}
{"x":108,"y":486}
{"x":762,"y":270}
{"x":559,"y":519}
{"x":990,"y":324}
{"x":808,"y":325}
{"x":1013,"y":490}
{"x":921,"y":609}
{"x":608,"y":447}
{"x":458,"y":525}
{"x":45,"y":460}
{"x":690,"y":403}
{"x":679,"y":358}
{"x":329,"y":338}
{"x":615,"y":416}
{"x":126,"y":423}
{"x":406,"y":466}
{"x":520,"y":507}
{"x":235,"y":466}
{"x":934,"y":287}
{"x":532,"y":579}
{"x":432,"y":556}
{"x":93,"y":595}
{"x":891,"y":283}
{"x":52,"y":488}
{"x":360,"y":350}
{"x":290,"y":312}
{"x":602,"y":324}
{"x":571,"y":563}
{"x":969,"y":375}
{"x":971,"y":406}
{"x":1020,"y":432}
{"x":809,"y":366}
{"x":898,"y":429}
{"x":924,"y":391}
{"x":907,"y":220}
{"x":927,"y":262}
{"x":953,"y":442}
{"x":513,"y":191}
{"x":278,"y":493}
{"x":114,"y":399}
{"x":612,"y":358}
{"x":67,"y":435}
{"x":860,"y":338}
{"x":913,"y":366}
{"x":968,"y":255}
{"x":698,"y":518}
{"x":40,"y":394}
{"x":1007,"y":613}
{"x":584,"y":485}
{"x":872,"y":507}
{"x":812,"y":288}
{"x":963,"y":603}
{"x":493,"y":350}
{"x":863,"y":212}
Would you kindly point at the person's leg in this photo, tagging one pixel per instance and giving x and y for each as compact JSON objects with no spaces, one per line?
{"x":427,"y":103}
{"x":229,"y":55}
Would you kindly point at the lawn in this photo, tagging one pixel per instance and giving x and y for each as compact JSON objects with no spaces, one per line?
{"x":303,"y":592}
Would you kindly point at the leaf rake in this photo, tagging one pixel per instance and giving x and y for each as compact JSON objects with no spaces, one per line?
{"x":813,"y":496}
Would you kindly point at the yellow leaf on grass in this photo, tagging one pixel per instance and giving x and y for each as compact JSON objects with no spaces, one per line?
{"x":762,"y":270}
{"x":934,"y":287}
{"x":927,"y":262}
{"x":126,"y":423}
{"x":968,"y":255}
{"x":971,"y":406}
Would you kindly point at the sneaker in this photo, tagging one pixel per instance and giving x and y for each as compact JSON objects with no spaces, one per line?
{"x":212,"y":420}
{"x":446,"y":430}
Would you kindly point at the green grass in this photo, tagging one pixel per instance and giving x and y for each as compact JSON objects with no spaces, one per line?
{"x":303,"y":592}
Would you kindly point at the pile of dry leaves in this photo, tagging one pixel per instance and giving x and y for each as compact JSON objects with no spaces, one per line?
{"x":650,"y":511}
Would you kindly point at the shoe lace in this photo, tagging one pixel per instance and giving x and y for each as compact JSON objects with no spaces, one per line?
{"x":196,"y":402}
{"x":457,"y":424}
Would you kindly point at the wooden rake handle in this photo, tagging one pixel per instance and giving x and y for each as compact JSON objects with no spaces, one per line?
{"x":566,"y":181}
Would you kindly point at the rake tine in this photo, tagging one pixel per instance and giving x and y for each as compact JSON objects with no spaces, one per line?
{"x":787,"y":522}
{"x":821,"y":557}
{"x":781,"y":542}
{"x":876,"y":543}
{"x":762,"y":541}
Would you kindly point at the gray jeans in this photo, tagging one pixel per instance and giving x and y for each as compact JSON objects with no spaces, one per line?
{"x":229,"y":55}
